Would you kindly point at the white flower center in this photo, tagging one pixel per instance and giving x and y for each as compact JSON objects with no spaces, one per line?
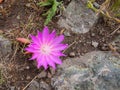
{"x":45,"y":49}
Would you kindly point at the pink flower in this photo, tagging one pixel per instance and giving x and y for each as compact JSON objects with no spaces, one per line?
{"x":46,"y":48}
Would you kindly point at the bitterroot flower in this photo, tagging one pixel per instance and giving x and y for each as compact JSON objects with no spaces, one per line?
{"x":46,"y":48}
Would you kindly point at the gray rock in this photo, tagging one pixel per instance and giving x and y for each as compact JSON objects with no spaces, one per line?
{"x":96,"y":5}
{"x":35,"y":85}
{"x":43,"y":74}
{"x":93,"y":71}
{"x":12,"y":88}
{"x":77,"y":17}
{"x":5,"y":46}
{"x":116,"y":43}
{"x":44,"y":86}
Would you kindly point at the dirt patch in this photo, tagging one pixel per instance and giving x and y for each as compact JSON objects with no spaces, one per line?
{"x":22,"y":18}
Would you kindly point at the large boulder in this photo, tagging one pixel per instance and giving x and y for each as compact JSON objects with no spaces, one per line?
{"x":77,"y":17}
{"x":94,"y":71}
{"x":5,"y":46}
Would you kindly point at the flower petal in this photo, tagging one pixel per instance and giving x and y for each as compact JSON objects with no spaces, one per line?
{"x":39,"y":36}
{"x":34,"y":39}
{"x":59,"y":47}
{"x":42,"y":62}
{"x":57,"y":53}
{"x":34,"y":56}
{"x":32,"y":50}
{"x":39,"y":61}
{"x":23,"y":40}
{"x":55,"y":59}
{"x":58,"y":39}
{"x":45,"y":34}
{"x":50,"y":62}
{"x":51,"y":36}
{"x":39,"y":64}
{"x":46,"y":48}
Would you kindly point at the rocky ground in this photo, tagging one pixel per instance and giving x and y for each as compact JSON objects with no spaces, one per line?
{"x":93,"y":56}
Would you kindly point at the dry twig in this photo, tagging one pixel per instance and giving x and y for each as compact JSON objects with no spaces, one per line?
{"x":115,"y":30}
{"x":30,"y":82}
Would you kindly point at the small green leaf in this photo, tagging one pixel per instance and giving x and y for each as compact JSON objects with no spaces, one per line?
{"x":90,"y":5}
{"x":52,"y":11}
{"x":43,"y":4}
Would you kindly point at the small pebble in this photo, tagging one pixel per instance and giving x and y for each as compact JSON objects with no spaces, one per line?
{"x":92,"y":34}
{"x":96,"y":5}
{"x":12,"y":88}
{"x":118,"y":32}
{"x":104,"y":47}
{"x":1,"y":32}
{"x":72,"y":54}
{"x":49,"y":75}
{"x":27,"y":67}
{"x":95,"y":44}
{"x":66,"y":33}
{"x":18,"y":17}
{"x":28,"y":77}
{"x":113,"y":43}
{"x":28,"y":5}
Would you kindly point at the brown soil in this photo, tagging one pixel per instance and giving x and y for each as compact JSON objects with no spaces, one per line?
{"x":19,"y":18}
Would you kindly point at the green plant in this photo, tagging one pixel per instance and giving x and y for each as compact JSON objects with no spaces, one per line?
{"x":90,"y":5}
{"x":116,"y":7}
{"x":52,"y":11}
{"x":1,"y":78}
{"x":110,"y":8}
